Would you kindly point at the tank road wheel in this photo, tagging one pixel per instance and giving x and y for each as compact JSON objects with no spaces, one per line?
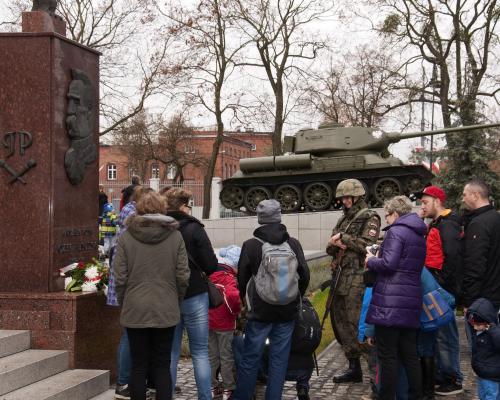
{"x":318,"y":196}
{"x":386,"y":188}
{"x":414,"y":184}
{"x":254,"y":196}
{"x":289,"y":197}
{"x":232,"y":197}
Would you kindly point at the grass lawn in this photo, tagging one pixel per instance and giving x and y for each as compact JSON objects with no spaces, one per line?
{"x":318,"y":300}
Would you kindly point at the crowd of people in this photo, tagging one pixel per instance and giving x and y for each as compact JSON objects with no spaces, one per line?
{"x":393,"y":304}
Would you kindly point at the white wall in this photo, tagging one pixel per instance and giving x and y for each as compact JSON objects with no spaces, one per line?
{"x":312,"y":229}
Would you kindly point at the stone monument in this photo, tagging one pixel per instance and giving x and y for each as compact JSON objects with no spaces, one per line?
{"x":49,"y":120}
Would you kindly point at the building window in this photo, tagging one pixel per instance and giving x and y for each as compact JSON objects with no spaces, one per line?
{"x":171,"y":171}
{"x":155,"y":171}
{"x":254,"y":147}
{"x":189,"y":149}
{"x":226,"y":171}
{"x":111,"y":172}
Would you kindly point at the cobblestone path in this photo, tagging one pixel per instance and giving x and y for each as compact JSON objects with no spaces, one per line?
{"x":322,"y":386}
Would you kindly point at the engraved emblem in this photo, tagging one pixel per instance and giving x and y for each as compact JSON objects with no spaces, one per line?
{"x":10,"y":141}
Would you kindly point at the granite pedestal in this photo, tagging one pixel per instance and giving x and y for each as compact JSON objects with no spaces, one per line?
{"x":47,"y":221}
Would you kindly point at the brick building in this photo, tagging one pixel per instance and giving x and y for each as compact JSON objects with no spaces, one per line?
{"x":114,"y":165}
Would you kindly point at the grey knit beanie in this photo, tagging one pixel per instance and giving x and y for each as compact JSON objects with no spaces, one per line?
{"x":268,"y":212}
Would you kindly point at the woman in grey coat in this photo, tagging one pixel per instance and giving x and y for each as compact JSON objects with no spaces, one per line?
{"x":151,"y":275}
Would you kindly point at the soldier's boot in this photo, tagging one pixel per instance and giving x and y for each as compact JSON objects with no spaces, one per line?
{"x":352,"y":374}
{"x":428,"y":377}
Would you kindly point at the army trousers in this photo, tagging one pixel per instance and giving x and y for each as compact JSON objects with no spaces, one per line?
{"x":344,"y":316}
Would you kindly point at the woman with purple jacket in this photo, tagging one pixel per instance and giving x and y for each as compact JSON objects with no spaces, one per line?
{"x":397,"y":297}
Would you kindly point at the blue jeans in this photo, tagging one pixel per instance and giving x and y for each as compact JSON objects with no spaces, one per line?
{"x":280,"y":341}
{"x":124,"y":360}
{"x":448,"y":353}
{"x":488,"y":390}
{"x":194,"y":317}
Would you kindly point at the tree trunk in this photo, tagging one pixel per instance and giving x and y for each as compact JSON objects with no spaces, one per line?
{"x":207,"y":182}
{"x":278,"y":121}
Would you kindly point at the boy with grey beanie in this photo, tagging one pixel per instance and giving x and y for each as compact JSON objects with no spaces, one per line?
{"x":265,"y":320}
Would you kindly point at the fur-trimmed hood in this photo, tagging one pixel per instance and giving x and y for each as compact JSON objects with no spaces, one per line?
{"x":151,"y":228}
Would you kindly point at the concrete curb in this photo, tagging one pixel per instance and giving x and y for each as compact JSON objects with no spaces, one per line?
{"x":326,"y":349}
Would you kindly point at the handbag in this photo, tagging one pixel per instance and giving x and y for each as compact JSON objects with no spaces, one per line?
{"x":436,"y":311}
{"x":215,"y":298}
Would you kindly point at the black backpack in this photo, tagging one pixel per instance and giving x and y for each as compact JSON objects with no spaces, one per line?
{"x":307,"y":332}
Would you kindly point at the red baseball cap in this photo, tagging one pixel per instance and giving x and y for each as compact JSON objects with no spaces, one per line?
{"x":432,"y":191}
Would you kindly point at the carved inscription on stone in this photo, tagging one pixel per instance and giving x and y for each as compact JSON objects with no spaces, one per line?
{"x":76,"y":240}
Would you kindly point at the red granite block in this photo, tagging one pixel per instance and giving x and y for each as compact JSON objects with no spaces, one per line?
{"x":91,"y":334}
{"x":39,"y":21}
{"x":48,"y":222}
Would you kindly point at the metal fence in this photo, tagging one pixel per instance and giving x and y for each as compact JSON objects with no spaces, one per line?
{"x":113,"y":190}
{"x":194,"y":187}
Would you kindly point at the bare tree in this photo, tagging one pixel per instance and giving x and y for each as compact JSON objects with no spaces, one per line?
{"x":171,"y":143}
{"x":460,"y":38}
{"x":133,"y":139}
{"x":276,"y":29}
{"x":176,"y":147}
{"x":130,"y":64}
{"x":212,"y":44}
{"x":359,"y":89}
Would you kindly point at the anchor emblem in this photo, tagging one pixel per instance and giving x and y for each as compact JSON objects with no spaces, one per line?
{"x":9,"y":142}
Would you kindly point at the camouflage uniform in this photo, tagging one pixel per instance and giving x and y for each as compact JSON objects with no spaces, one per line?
{"x":346,"y":308}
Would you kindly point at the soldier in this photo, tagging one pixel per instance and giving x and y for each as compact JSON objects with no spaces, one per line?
{"x":358,"y":228}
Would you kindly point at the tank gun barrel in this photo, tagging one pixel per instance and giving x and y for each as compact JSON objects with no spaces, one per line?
{"x":395,"y":137}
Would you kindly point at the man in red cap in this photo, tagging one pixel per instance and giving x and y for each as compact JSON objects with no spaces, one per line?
{"x":443,"y":260}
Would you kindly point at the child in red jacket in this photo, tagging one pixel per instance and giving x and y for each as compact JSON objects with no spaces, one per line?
{"x":222,"y":322}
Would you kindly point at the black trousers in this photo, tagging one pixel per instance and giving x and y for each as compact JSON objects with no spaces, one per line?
{"x":393,"y":344}
{"x":150,"y":348}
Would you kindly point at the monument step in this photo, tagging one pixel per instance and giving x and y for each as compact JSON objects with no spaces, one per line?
{"x":12,"y":342}
{"x":26,"y":367}
{"x":107,"y":395}
{"x":77,"y":384}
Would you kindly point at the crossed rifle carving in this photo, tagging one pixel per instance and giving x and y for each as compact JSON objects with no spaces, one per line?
{"x":17,"y":176}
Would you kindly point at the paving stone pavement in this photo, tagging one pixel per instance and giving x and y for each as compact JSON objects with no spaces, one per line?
{"x":322,"y":386}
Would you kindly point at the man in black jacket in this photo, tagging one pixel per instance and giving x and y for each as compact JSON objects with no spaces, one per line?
{"x":265,"y":320}
{"x":481,"y":271}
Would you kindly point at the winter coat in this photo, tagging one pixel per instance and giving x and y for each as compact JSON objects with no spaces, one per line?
{"x":151,"y":272}
{"x":223,"y":318}
{"x":481,"y":265}
{"x":358,"y":231}
{"x":444,"y":257}
{"x":397,"y":293}
{"x":486,"y":344}
{"x":250,"y":258}
{"x":199,"y":248}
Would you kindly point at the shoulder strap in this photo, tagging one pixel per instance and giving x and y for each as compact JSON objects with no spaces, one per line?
{"x":358,"y":214}
{"x":191,"y":259}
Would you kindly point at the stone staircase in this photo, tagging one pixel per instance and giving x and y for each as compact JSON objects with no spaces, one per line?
{"x":27,"y":374}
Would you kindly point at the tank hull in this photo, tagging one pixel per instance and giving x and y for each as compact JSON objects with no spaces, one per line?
{"x":300,"y":191}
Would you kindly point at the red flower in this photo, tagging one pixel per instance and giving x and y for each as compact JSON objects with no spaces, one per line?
{"x":81,"y":265}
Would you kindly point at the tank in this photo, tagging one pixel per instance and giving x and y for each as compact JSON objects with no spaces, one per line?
{"x":316,"y":160}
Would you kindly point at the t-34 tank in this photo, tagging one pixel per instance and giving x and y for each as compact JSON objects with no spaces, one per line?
{"x":305,"y":179}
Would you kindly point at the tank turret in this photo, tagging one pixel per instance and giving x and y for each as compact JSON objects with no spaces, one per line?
{"x":318,"y":159}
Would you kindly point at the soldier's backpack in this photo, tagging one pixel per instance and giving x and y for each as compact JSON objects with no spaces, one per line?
{"x":277,"y":280}
{"x":307,"y":332}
